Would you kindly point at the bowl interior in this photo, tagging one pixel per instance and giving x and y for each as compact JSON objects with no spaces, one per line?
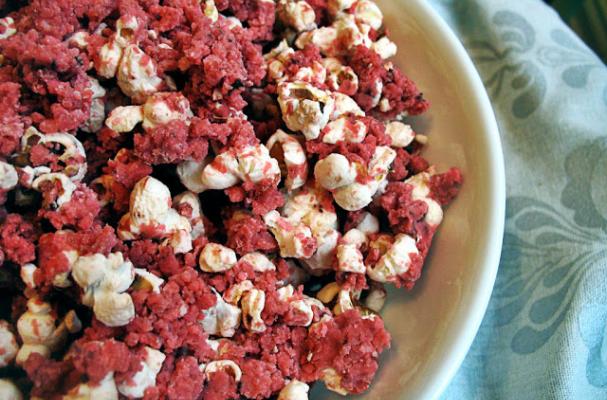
{"x":433,"y":326}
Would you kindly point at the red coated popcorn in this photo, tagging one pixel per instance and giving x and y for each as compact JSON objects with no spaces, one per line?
{"x":205,"y":199}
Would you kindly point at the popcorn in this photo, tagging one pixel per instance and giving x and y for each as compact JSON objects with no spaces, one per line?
{"x":106,"y":390}
{"x":196,"y":217}
{"x":332,"y":381}
{"x":335,"y":171}
{"x":345,"y":105}
{"x":291,"y":152}
{"x":376,"y":297}
{"x":37,"y":330}
{"x":368,"y":13}
{"x":252,"y":303}
{"x":8,"y":344}
{"x":216,"y":258}
{"x":104,"y":281}
{"x":190,"y":174}
{"x":148,"y":280}
{"x":401,"y":134}
{"x":251,"y":163}
{"x":8,"y":176}
{"x":9,"y":391}
{"x":395,"y":261}
{"x":385,"y":48}
{"x":338,"y":74}
{"x":109,"y":59}
{"x":222,"y":319}
{"x":369,"y":224}
{"x":124,"y":118}
{"x":294,"y":240}
{"x":234,"y":293}
{"x":258,"y":261}
{"x":228,"y":366}
{"x":145,"y":377}
{"x":8,"y":27}
{"x":296,"y":14}
{"x":126,"y":26}
{"x":343,"y":302}
{"x":97,"y":113}
{"x":66,"y":186}
{"x":421,"y":191}
{"x":294,"y":390}
{"x":305,"y":108}
{"x":150,"y":209}
{"x":343,"y":129}
{"x":161,"y":108}
{"x":349,"y":256}
{"x":137,"y":76}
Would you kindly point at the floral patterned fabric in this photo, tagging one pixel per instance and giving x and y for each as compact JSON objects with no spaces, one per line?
{"x":545,"y":333}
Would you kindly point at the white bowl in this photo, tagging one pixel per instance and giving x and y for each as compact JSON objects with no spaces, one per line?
{"x":433,"y":326}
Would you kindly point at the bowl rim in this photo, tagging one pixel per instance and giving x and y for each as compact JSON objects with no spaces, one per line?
{"x":470,"y":322}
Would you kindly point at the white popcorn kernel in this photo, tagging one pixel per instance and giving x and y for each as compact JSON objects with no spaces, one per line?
{"x":260,"y":262}
{"x":369,"y":224}
{"x":349,"y":256}
{"x":376,"y":298}
{"x":67,"y":187}
{"x":79,"y":39}
{"x":305,"y":108}
{"x":296,"y":14}
{"x":196,"y":217}
{"x":332,"y":381}
{"x":109,"y":59}
{"x":161,"y":108}
{"x":8,"y":25}
{"x":336,"y":6}
{"x":380,"y":163}
{"x":335,"y":171}
{"x":106,"y":390}
{"x":27,"y":275}
{"x":343,"y":303}
{"x":302,"y":307}
{"x":285,"y":292}
{"x":223,"y":319}
{"x":149,"y":280}
{"x":294,"y":390}
{"x":401,"y":134}
{"x":215,"y":257}
{"x":125,"y":118}
{"x":337,"y":74}
{"x":255,"y":164}
{"x":8,"y":344}
{"x":354,"y":196}
{"x":367,"y":12}
{"x":180,"y":241}
{"x":113,"y":309}
{"x":345,"y":105}
{"x":290,"y":150}
{"x":227,"y":366}
{"x":137,"y":75}
{"x":210,"y":10}
{"x":396,"y":261}
{"x":294,"y":240}
{"x":322,"y":259}
{"x":126,"y":26}
{"x":222,"y":172}
{"x":8,"y":176}
{"x":385,"y":48}
{"x":343,"y":129}
{"x":421,"y":191}
{"x":234,"y":293}
{"x":97,"y":113}
{"x":323,"y":38}
{"x":253,"y":303}
{"x":145,"y":377}
{"x":190,"y":174}
{"x":150,"y":205}
{"x":9,"y":391}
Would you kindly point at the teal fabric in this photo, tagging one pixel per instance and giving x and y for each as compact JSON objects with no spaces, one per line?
{"x":545,"y":333}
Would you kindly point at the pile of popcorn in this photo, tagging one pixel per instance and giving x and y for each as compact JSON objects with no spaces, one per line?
{"x":205,"y":199}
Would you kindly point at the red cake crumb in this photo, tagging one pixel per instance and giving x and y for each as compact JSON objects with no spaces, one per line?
{"x":444,"y":187}
{"x":126,"y":170}
{"x":169,"y":144}
{"x":49,"y":376}
{"x":186,"y":380}
{"x":248,"y":233}
{"x":96,"y":359}
{"x":220,"y":386}
{"x":259,"y":379}
{"x":79,"y":213}
{"x":17,"y":238}
{"x":350,"y":345}
{"x":405,"y":215}
{"x":11,"y":123}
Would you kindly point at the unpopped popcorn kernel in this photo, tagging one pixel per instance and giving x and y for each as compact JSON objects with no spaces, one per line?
{"x":228,"y":366}
{"x":305,"y":108}
{"x":395,"y":261}
{"x":401,"y":134}
{"x":296,"y":14}
{"x":294,"y":390}
{"x":335,"y":171}
{"x":287,"y":148}
{"x":125,"y":118}
{"x":8,"y":176}
{"x":253,"y":303}
{"x":216,"y":258}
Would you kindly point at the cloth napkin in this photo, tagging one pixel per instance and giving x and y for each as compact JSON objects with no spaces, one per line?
{"x":545,"y":332}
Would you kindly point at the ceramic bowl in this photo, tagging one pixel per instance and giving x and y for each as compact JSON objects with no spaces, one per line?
{"x":433,"y":326}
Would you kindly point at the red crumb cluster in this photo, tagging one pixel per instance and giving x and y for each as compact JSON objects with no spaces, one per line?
{"x":205,"y":199}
